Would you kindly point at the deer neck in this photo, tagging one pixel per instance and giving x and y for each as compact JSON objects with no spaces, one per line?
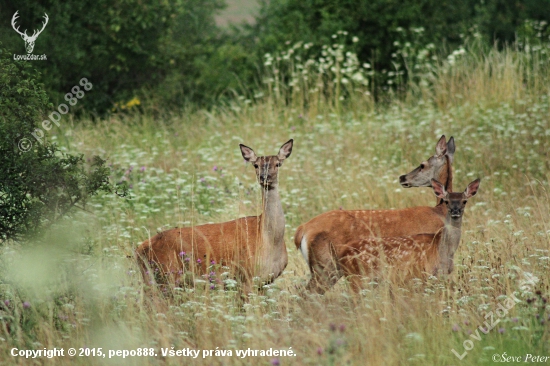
{"x":446,"y":177}
{"x":271,"y":257}
{"x":272,"y":219}
{"x":449,"y":243}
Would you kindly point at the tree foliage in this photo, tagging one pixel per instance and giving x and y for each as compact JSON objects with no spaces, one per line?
{"x":120,"y":46}
{"x":376,"y":23}
{"x":38,"y":183}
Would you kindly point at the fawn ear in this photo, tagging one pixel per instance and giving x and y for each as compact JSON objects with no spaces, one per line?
{"x":439,"y":189}
{"x":451,"y":148}
{"x":471,"y":190}
{"x":441,"y":147}
{"x":248,"y":153}
{"x":285,"y":150}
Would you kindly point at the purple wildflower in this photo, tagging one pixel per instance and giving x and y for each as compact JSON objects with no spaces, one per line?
{"x":26,"y":305}
{"x":142,"y":169}
{"x":199,"y":261}
{"x":182,"y":254}
{"x":501,"y":330}
{"x":215,"y":168}
{"x":320,"y":351}
{"x":275,"y":362}
{"x":7,"y":302}
{"x":456,"y":328}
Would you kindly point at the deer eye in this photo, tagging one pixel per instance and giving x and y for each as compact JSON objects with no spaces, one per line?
{"x":464,"y":202}
{"x":256,"y":166}
{"x":278,"y":165}
{"x":421,"y":166}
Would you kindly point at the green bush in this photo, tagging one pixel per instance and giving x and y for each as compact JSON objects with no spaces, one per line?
{"x":38,"y":183}
{"x":383,"y":27}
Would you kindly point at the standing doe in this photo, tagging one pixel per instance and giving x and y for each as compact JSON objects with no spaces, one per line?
{"x":410,"y":256}
{"x":322,"y":240}
{"x":251,"y":246}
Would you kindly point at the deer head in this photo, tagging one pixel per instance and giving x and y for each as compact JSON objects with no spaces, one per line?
{"x":455,"y":201}
{"x":29,"y":40}
{"x":267,"y":167}
{"x":431,"y":168}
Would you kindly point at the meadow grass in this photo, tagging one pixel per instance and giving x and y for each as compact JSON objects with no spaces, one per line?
{"x":81,"y":290}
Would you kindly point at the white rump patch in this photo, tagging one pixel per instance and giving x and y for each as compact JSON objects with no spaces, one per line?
{"x":303,"y":249}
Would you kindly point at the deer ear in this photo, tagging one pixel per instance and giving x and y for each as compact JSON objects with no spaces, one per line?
{"x":471,"y":190}
{"x":441,"y":147}
{"x":439,"y":189}
{"x":451,"y":148}
{"x":285,"y":150}
{"x":248,"y":154}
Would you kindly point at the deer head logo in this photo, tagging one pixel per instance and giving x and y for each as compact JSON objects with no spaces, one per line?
{"x":29,"y":41}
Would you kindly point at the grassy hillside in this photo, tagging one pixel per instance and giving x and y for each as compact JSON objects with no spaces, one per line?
{"x":83,"y":291}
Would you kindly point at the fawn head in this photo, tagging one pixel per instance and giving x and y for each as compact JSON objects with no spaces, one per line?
{"x":455,"y":201}
{"x":431,"y":168}
{"x":267,"y":167}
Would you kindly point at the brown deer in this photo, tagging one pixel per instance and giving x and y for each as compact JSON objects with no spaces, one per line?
{"x":251,"y":246}
{"x":412,"y":256}
{"x":322,"y":239}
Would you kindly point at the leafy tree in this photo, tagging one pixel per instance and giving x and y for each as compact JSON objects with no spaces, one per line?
{"x":119,"y":46}
{"x":169,"y":51}
{"x":38,"y":183}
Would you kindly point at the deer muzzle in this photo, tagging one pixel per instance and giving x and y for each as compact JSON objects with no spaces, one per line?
{"x":456,"y":213}
{"x":403,"y":181}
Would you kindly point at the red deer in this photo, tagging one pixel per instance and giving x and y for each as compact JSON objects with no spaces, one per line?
{"x":251,"y":246}
{"x":325,"y":236}
{"x":412,"y":256}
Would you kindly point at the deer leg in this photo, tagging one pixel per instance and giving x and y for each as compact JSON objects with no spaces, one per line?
{"x":325,"y":271}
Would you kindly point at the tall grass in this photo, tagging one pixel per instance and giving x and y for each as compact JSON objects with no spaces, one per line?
{"x":78,"y":289}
